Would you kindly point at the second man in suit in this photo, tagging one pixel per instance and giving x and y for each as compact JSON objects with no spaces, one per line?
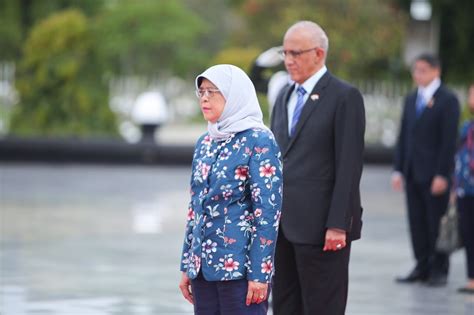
{"x":424,"y":161}
{"x":319,"y":123}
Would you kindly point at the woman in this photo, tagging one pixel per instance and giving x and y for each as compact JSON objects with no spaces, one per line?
{"x":236,"y":188}
{"x":464,"y":184}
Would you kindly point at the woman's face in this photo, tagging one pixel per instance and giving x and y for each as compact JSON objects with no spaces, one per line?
{"x":211,"y":100}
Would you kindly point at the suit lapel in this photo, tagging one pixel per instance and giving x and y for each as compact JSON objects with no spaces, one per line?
{"x":412,"y":107}
{"x":286,"y":97}
{"x":316,"y":96}
{"x":427,"y":106}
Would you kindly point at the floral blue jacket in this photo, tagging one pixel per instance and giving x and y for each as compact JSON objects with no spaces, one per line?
{"x":464,"y":170}
{"x":234,"y":213}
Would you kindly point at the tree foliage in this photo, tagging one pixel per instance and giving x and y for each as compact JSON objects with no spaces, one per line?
{"x":19,"y":16}
{"x":365,"y":37}
{"x":241,"y":57}
{"x":66,"y":50}
{"x":10,"y":30}
{"x":456,"y":37}
{"x":61,"y":92}
{"x":68,"y":57}
{"x":150,"y":37}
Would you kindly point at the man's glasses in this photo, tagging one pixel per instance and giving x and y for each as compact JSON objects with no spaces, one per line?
{"x":207,"y":92}
{"x":294,"y":53}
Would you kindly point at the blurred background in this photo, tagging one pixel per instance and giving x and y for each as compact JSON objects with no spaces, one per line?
{"x":90,"y":78}
{"x":76,"y":68}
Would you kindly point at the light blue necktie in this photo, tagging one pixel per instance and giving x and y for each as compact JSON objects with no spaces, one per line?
{"x":298,"y":108}
{"x":420,"y":105}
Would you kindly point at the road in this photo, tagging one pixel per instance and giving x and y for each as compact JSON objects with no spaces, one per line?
{"x":103,"y":240}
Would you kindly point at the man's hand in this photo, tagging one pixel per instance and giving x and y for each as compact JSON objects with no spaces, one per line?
{"x":439,"y":185}
{"x":335,"y":239}
{"x":397,"y":181}
{"x":185,"y":287}
{"x":257,"y":292}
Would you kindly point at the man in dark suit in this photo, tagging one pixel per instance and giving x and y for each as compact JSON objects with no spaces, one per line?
{"x":424,"y":159}
{"x":319,"y":123}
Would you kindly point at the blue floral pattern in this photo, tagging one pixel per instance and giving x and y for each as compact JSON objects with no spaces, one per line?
{"x":235,"y":208}
{"x":464,"y":170}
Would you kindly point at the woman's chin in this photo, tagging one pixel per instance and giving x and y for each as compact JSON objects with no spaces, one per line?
{"x":212,"y":120}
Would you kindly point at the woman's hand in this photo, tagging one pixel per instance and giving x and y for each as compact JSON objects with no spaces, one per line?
{"x":185,"y":287}
{"x":257,"y":292}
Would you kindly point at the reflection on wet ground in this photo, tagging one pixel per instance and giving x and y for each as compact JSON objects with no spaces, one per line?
{"x":99,"y":240}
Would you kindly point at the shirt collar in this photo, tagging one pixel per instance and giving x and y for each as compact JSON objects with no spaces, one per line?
{"x":428,"y":91}
{"x":311,"y":82}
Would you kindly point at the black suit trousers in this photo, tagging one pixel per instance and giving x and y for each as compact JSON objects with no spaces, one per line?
{"x":424,"y":214}
{"x":308,"y":280}
{"x":466,"y":226}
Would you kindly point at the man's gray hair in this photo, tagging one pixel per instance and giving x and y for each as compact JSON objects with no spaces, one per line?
{"x":315,"y":31}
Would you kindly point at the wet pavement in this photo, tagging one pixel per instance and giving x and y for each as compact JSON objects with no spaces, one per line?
{"x":100,"y":240}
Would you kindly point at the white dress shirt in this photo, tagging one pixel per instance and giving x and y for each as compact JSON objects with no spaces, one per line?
{"x":308,"y":85}
{"x":428,"y":91}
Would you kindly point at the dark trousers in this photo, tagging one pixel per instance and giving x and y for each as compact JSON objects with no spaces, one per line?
{"x":223,"y":298}
{"x":466,"y":226}
{"x":424,"y":215}
{"x":308,"y":280}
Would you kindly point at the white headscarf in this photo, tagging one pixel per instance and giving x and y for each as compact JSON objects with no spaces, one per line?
{"x":242,"y":110}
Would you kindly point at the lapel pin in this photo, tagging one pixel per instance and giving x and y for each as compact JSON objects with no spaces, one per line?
{"x":315,"y":97}
{"x":430,"y":103}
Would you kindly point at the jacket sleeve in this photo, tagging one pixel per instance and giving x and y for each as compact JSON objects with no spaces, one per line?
{"x":265,"y":183}
{"x":349,"y":129}
{"x":190,"y":217}
{"x":449,"y":129}
{"x":399,"y":158}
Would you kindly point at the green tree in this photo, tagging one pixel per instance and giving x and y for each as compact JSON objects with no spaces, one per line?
{"x":18,"y":16}
{"x":151,"y":37}
{"x":456,"y":37}
{"x":61,"y":91}
{"x":241,"y":57}
{"x":11,"y":31}
{"x":365,"y":37}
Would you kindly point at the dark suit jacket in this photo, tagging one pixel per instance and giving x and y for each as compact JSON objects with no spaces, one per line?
{"x":322,"y":162}
{"x":426,"y":145}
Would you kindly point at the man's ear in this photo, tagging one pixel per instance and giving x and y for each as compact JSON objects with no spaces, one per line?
{"x":320,"y":53}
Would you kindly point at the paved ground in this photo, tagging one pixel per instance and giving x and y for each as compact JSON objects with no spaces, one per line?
{"x":98,"y":240}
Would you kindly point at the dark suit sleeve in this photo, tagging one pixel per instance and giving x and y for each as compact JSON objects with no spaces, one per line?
{"x":349,"y":128}
{"x":272,"y":114}
{"x":449,"y":129}
{"x":399,"y":157}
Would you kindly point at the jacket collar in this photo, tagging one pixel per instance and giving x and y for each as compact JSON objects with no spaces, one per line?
{"x":316,"y":96}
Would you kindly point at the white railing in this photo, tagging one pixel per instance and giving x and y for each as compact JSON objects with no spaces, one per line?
{"x":383,"y":105}
{"x":124,"y":91}
{"x":383,"y":102}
